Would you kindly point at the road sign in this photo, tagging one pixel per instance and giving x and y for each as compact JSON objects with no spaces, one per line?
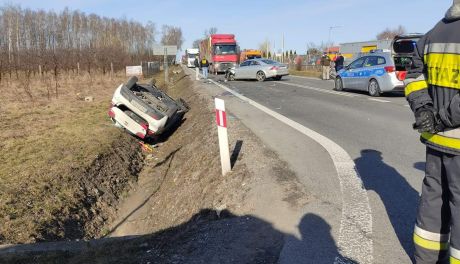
{"x":160,"y":50}
{"x":133,"y":70}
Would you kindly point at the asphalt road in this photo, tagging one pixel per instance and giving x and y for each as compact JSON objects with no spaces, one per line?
{"x":376,"y":133}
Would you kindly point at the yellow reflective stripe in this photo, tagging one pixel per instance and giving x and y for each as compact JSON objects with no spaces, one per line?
{"x":428,"y":244}
{"x":443,"y":69}
{"x":415,"y":86}
{"x":442,"y":141}
{"x":454,"y":260}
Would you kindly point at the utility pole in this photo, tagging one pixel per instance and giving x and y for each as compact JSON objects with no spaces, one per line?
{"x":329,"y":38}
{"x":165,"y":64}
{"x":282,"y":57}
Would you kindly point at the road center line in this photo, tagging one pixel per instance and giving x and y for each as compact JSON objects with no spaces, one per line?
{"x":356,"y":222}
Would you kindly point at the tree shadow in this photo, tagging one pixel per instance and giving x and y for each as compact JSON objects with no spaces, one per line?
{"x":208,"y":237}
{"x":399,"y":198}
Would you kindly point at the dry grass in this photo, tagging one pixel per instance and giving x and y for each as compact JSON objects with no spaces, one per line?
{"x":44,"y":138}
{"x":315,"y":74}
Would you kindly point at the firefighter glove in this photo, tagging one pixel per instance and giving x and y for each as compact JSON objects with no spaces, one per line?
{"x":425,"y":121}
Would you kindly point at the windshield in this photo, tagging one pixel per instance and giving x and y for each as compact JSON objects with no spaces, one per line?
{"x":225,"y":49}
{"x":192,"y":56}
{"x":270,"y":62}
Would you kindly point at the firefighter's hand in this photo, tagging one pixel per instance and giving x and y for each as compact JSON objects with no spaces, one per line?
{"x":425,"y":121}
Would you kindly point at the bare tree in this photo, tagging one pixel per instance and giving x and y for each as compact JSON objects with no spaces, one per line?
{"x":172,"y":36}
{"x":391,"y":33}
{"x":196,"y":43}
{"x":209,"y":32}
{"x":45,"y":41}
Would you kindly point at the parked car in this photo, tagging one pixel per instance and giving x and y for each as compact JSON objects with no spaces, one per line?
{"x":144,"y":110}
{"x":380,"y":71}
{"x":374,"y":73}
{"x":259,"y":69}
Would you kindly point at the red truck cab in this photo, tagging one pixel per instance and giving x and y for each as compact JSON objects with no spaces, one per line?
{"x":221,"y":50}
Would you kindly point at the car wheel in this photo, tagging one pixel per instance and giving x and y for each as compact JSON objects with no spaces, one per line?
{"x":230,"y":76}
{"x":374,"y":88}
{"x":277,"y":78}
{"x":338,"y":84}
{"x":260,"y":76}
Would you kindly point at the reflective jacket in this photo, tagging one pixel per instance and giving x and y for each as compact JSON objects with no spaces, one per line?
{"x":434,"y":80}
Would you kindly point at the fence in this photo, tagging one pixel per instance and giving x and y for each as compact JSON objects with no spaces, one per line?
{"x":150,"y":68}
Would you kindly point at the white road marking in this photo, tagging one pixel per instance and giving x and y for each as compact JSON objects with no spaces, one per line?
{"x":356,"y":222}
{"x":379,"y":100}
{"x":320,"y":89}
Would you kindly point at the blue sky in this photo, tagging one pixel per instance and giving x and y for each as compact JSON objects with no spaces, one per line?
{"x":254,"y":21}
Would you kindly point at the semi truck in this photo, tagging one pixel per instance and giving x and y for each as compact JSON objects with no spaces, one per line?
{"x":190,"y":56}
{"x":221,"y":50}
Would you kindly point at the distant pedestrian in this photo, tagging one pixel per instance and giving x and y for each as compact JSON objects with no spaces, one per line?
{"x":326,"y":66}
{"x":197,"y":68}
{"x":204,"y":67}
{"x":339,"y":62}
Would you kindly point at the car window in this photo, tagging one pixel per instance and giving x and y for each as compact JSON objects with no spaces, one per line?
{"x":357,"y":63}
{"x":255,"y":63}
{"x":381,"y":60}
{"x":270,"y":62}
{"x":246,"y":63}
{"x":371,"y":61}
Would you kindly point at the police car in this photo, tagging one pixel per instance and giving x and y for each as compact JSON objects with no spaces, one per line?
{"x":380,"y":71}
{"x":374,"y":73}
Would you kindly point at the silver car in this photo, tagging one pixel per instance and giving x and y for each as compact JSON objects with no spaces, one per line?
{"x":259,"y":69}
{"x":374,"y":73}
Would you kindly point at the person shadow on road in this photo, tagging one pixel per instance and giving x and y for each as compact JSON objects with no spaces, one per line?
{"x":316,"y":244}
{"x":398,"y":196}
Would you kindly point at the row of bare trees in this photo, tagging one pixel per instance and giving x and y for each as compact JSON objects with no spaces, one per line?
{"x":40,"y":41}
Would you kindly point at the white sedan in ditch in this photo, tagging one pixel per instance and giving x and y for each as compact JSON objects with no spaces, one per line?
{"x":259,"y":69}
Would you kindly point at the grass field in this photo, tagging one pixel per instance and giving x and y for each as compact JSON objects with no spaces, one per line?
{"x":48,"y":143}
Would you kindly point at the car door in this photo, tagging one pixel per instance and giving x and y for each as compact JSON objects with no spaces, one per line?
{"x":253,"y":69}
{"x":240,"y":72}
{"x":366,"y":72}
{"x":351,"y":72}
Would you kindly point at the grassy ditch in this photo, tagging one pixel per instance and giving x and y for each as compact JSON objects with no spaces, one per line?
{"x":315,"y":74}
{"x":64,"y":165}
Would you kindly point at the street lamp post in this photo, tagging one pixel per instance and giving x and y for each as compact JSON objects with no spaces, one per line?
{"x":330,"y":30}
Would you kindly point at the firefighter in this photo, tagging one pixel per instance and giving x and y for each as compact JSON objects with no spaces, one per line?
{"x":432,"y":90}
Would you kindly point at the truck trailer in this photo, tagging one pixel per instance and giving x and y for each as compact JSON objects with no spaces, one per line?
{"x":221,"y":50}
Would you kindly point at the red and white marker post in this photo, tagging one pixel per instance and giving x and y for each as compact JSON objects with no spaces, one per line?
{"x":221,"y":119}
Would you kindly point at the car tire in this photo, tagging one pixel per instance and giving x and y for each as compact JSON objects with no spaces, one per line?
{"x":374,"y":88}
{"x":230,"y":76}
{"x":278,"y":78}
{"x":338,"y":84}
{"x":260,"y":76}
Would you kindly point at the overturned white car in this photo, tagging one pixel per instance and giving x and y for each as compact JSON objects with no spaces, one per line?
{"x":144,"y":110}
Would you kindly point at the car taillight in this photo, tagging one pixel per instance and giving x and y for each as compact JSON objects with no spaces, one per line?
{"x":389,"y":69}
{"x":401,"y":75}
{"x":274,"y":68}
{"x":144,"y":126}
{"x":150,"y":132}
{"x":111,"y":113}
